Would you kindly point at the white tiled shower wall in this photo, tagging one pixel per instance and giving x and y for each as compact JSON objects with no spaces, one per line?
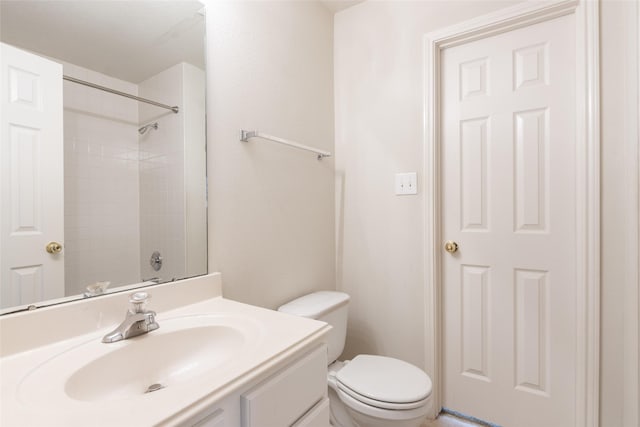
{"x":101,"y":182}
{"x":172,"y":171}
{"x":162,"y":176}
{"x":195,"y":141}
{"x":125,"y":193}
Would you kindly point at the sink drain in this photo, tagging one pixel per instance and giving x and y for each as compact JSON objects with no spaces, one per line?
{"x":154,"y":387}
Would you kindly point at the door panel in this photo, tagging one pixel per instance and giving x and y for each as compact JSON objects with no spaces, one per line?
{"x":31,"y":178}
{"x":508,"y":179}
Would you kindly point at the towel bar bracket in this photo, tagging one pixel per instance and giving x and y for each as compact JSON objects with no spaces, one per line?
{"x":246,"y":134}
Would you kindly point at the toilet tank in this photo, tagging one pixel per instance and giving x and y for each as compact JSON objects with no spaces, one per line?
{"x":326,"y":306}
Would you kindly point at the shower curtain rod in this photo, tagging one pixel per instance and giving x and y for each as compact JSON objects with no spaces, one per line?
{"x":117,"y":92}
{"x":246,"y":134}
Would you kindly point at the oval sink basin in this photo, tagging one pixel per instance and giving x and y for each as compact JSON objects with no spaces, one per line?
{"x":181,"y":350}
{"x":163,"y":359}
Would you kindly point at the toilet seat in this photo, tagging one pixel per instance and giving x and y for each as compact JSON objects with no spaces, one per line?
{"x":378,"y":403}
{"x":384,"y":414}
{"x":384,"y":383}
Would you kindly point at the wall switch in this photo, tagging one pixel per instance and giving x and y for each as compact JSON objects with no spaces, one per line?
{"x":406,"y":183}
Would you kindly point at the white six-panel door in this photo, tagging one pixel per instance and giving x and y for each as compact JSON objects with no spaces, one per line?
{"x":31,"y":178}
{"x":508,"y":200}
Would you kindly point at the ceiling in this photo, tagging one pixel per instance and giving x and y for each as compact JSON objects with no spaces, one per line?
{"x":129,"y":40}
{"x":338,"y":5}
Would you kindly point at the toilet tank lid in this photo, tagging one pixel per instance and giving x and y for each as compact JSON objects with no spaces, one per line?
{"x":316,"y":304}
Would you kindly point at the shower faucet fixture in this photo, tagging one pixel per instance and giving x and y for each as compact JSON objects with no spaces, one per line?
{"x":145,"y":128}
{"x":156,"y":261}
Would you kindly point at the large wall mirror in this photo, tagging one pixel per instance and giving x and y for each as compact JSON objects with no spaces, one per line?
{"x":100,"y":191}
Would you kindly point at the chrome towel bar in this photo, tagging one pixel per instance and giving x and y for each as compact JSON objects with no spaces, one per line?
{"x":245,"y":135}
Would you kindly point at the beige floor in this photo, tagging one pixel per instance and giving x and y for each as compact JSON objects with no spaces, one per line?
{"x":446,"y":420}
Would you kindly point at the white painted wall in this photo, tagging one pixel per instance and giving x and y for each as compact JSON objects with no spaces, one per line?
{"x":268,"y":227}
{"x":617,"y":95}
{"x":271,"y":211}
{"x":379,"y":115}
{"x":101,"y":182}
{"x":379,"y":108}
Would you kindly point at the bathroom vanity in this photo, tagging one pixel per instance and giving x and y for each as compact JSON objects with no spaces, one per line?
{"x":212,"y":362}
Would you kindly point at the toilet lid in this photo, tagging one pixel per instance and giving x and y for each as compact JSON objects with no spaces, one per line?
{"x":384,"y":379}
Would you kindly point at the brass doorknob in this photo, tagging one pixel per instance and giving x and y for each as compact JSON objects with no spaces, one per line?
{"x":451,"y":246}
{"x":54,"y":247}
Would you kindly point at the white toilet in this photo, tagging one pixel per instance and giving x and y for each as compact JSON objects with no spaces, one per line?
{"x":368,"y":391}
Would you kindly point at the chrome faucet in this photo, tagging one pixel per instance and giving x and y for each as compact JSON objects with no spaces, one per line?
{"x":138,"y":321}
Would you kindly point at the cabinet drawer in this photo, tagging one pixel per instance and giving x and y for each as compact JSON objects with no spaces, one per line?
{"x":287,"y":396}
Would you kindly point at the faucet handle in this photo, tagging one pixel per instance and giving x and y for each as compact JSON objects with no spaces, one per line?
{"x":138,"y":300}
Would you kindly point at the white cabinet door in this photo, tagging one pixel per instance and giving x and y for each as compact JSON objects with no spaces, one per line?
{"x":318,"y":416}
{"x":285,"y":398}
{"x":509,"y":169}
{"x":31,"y":178}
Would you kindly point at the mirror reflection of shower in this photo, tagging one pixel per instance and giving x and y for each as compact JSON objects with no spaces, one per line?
{"x":145,"y":128}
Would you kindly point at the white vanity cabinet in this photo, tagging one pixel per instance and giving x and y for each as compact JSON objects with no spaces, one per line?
{"x":222,"y":364}
{"x":295,"y":395}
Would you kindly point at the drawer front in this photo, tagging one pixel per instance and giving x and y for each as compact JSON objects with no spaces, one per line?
{"x":285,"y":397}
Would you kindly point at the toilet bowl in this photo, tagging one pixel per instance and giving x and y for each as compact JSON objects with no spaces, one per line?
{"x":369,"y":390}
{"x":377,"y":391}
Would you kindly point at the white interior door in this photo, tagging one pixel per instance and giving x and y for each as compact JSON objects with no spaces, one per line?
{"x":508,"y":200}
{"x":31,"y":178}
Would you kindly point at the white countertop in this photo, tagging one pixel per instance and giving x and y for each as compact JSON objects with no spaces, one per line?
{"x":274,"y":338}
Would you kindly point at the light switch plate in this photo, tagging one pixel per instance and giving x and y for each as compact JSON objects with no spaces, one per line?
{"x":406,"y":183}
